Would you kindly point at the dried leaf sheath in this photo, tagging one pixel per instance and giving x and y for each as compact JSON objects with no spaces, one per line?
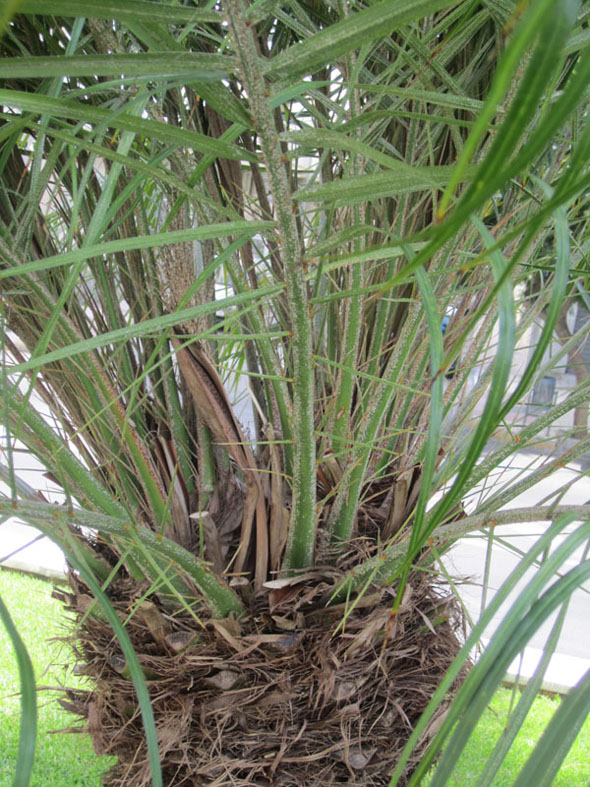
{"x":211,"y":401}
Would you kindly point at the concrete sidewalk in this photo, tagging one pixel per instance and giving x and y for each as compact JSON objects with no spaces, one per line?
{"x":468,"y":558}
{"x":26,"y":549}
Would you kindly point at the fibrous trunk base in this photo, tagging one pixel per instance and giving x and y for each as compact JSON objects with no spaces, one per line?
{"x":291,"y":696}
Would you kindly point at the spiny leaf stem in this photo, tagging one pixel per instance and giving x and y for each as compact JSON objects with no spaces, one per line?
{"x":302,"y":529}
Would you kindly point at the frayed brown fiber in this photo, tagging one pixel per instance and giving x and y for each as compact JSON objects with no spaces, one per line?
{"x":287,"y":697}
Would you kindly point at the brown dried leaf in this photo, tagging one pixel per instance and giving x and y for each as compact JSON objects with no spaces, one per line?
{"x":282,"y":596}
{"x":154,"y":620}
{"x":344,"y":690}
{"x":239,"y":582}
{"x":395,"y":518}
{"x":285,"y":623}
{"x":275,"y":698}
{"x":180,"y":640}
{"x":261,"y":566}
{"x":406,"y":604}
{"x":359,"y":759}
{"x":282,"y":642}
{"x":289,"y":642}
{"x":427,"y":621}
{"x":350,"y":710}
{"x":207,"y":390}
{"x":373,"y":626}
{"x":220,"y":703}
{"x":225,"y":679}
{"x":230,"y":631}
{"x":371,"y":600}
{"x":118,"y":663}
{"x":95,"y":729}
{"x":284,"y":582}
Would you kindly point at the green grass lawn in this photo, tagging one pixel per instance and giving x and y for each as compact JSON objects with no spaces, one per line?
{"x":69,"y":760}
{"x":574,"y":772}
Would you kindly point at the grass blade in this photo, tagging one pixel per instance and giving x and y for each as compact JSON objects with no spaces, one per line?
{"x":28,"y":719}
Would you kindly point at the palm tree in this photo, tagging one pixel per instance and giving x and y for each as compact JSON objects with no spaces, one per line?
{"x":291,"y":199}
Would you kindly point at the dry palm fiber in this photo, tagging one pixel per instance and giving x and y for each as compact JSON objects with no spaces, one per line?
{"x":288,"y":697}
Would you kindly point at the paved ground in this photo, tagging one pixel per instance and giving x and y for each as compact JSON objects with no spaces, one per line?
{"x":23,"y":547}
{"x":468,"y":558}
{"x":41,"y":556}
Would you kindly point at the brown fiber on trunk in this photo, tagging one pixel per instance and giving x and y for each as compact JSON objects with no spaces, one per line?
{"x":288,"y":696}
